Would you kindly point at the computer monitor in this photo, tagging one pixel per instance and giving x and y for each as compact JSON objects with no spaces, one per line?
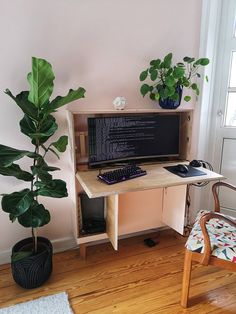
{"x":130,"y":138}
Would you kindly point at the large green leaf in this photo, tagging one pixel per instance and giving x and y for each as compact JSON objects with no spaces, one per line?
{"x":41,"y":133}
{"x":72,"y":95}
{"x":15,"y":171}
{"x":27,"y":126}
{"x":45,"y":167}
{"x":22,"y":101}
{"x":55,"y":188}
{"x":18,"y":202}
{"x":8,"y":155}
{"x":36,"y":216}
{"x":61,"y":143}
{"x":42,"y":174}
{"x":41,"y":82}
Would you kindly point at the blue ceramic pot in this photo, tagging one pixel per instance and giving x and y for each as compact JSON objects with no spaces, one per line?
{"x":170,"y":103}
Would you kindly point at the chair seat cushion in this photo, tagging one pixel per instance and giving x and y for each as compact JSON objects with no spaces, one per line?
{"x":222,"y":237}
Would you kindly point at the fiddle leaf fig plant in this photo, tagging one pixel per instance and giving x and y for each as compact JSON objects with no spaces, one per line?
{"x":166,"y":78}
{"x":38,"y":124}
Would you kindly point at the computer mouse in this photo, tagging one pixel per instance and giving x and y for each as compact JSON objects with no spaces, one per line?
{"x":182,"y":168}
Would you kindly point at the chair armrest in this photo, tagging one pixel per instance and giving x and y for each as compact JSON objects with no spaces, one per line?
{"x":207,"y":244}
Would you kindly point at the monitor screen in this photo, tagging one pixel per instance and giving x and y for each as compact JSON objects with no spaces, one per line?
{"x":126,"y":138}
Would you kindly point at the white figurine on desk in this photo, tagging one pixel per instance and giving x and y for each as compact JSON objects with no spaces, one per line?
{"x":119,"y":103}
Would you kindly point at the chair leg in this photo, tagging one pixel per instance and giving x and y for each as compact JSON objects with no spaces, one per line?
{"x":186,"y":278}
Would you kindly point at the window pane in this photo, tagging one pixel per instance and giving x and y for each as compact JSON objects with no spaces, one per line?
{"x":232,"y":82}
{"x":231,"y":109}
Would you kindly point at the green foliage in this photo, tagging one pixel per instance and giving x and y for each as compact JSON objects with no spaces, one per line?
{"x":17,"y":203}
{"x":15,"y":171}
{"x":36,"y":216}
{"x":41,"y":82}
{"x":72,"y":95}
{"x":167,"y":77}
{"x":53,"y":188}
{"x":39,"y":125}
{"x":8,"y":155}
{"x":16,"y":256}
{"x":61,"y":143}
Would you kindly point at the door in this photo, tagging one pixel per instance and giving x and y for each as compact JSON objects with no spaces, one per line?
{"x":174,"y":201}
{"x":112,"y":219}
{"x":225,"y":101}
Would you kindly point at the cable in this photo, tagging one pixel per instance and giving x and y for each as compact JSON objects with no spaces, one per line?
{"x":187,"y":226}
{"x":206,"y":165}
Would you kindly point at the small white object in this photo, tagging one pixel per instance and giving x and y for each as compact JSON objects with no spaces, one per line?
{"x":119,"y":103}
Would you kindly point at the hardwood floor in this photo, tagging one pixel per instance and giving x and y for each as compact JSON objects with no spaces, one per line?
{"x":136,"y":279}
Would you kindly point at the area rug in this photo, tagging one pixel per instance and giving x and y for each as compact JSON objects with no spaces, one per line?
{"x":53,"y":304}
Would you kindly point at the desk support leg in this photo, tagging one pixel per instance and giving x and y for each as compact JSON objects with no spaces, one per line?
{"x":82,"y":250}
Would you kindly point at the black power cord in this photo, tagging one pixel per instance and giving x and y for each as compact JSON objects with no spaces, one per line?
{"x":206,"y":165}
{"x":194,"y":163}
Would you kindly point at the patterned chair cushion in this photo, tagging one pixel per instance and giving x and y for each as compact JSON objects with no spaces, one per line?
{"x":222,"y":237}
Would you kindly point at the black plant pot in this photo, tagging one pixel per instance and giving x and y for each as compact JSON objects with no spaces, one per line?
{"x":170,"y":103}
{"x":32,"y":271}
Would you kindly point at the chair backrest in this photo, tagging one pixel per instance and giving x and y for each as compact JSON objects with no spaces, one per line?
{"x":215,"y":194}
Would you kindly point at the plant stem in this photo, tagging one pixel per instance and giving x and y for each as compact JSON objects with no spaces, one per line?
{"x":34,"y":236}
{"x":45,"y":149}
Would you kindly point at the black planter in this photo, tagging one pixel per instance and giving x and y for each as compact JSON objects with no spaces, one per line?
{"x":31,"y":272}
{"x":170,"y":103}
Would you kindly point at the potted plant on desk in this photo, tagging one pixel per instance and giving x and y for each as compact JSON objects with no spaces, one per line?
{"x":168,"y":80}
{"x":32,"y":257}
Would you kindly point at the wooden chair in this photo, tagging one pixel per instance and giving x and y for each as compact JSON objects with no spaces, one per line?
{"x":211,"y":242}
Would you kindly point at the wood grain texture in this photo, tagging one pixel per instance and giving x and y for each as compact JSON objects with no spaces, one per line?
{"x":157,"y":177}
{"x":112,"y":219}
{"x":134,"y":280}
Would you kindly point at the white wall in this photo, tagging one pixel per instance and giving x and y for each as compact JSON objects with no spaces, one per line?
{"x":100,"y":45}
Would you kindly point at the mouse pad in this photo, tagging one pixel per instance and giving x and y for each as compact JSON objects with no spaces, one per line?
{"x":192,"y":172}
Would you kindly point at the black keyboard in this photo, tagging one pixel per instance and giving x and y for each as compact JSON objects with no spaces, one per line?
{"x":122,"y":174}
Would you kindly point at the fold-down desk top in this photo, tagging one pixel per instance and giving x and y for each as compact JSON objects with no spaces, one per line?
{"x":157,"y":177}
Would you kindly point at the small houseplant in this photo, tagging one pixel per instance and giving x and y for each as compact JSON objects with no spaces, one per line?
{"x":168,"y":79}
{"x":32,"y":257}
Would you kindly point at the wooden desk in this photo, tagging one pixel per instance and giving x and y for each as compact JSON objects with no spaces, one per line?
{"x":167,"y":189}
{"x":157,"y":177}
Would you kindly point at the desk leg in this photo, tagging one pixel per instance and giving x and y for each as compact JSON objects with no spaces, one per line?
{"x":82,"y":250}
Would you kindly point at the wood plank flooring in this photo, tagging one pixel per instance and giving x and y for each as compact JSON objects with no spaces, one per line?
{"x":136,"y":279}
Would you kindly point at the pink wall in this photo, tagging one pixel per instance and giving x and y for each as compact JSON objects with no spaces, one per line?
{"x":100,"y":45}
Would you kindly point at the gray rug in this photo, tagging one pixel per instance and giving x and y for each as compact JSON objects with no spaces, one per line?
{"x":53,"y":304}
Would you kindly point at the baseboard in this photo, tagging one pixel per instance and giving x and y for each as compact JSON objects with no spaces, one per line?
{"x":59,"y":245}
{"x":63,"y":244}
